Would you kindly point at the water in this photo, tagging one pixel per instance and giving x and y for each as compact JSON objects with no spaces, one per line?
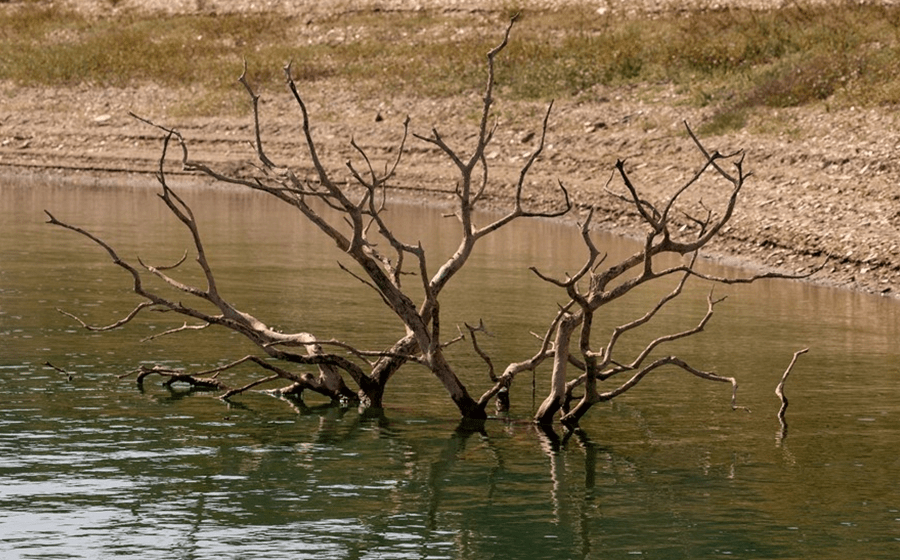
{"x":92,"y":467}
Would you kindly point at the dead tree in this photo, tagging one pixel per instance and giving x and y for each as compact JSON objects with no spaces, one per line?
{"x":596,"y":285}
{"x":357,"y":227}
{"x":570,"y":342}
{"x":410,"y":286}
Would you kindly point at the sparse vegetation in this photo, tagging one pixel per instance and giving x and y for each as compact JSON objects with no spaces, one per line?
{"x":739,"y":59}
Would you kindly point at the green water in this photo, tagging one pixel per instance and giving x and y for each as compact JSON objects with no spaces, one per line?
{"x":92,"y":467}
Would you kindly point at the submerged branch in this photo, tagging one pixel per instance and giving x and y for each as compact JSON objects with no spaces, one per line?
{"x":779,"y":392}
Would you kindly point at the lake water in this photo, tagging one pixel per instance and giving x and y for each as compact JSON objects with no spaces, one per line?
{"x":92,"y":467}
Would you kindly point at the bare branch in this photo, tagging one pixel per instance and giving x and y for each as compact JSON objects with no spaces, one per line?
{"x":663,"y":220}
{"x":176,"y":376}
{"x":232,"y":392}
{"x":255,"y":100}
{"x":365,"y":282}
{"x":518,"y":210}
{"x":184,"y":327}
{"x":123,"y":321}
{"x":744,"y":279}
{"x":711,"y":303}
{"x":545,"y":351}
{"x":652,"y":216}
{"x":678,"y":362}
{"x":606,"y":355}
{"x":779,"y":392}
{"x":437,"y":140}
{"x":570,"y":283}
{"x":484,"y":135}
{"x":484,"y":181}
{"x":487,"y":360}
{"x":171,"y":266}
{"x":713,"y":157}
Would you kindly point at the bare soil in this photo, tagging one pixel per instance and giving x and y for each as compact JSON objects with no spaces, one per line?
{"x":825,"y":182}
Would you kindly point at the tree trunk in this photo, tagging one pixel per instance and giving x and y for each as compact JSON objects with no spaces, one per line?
{"x":571,"y":419}
{"x":372,"y":395}
{"x":554,"y":401}
{"x":467,"y":406}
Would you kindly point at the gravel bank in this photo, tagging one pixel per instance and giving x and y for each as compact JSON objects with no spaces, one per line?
{"x":332,"y":7}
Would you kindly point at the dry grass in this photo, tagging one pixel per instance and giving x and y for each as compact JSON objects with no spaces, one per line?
{"x":736,"y":60}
